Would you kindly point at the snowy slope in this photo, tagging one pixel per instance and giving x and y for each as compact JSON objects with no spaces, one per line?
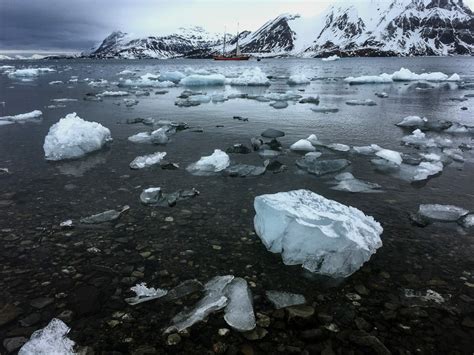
{"x":362,"y":28}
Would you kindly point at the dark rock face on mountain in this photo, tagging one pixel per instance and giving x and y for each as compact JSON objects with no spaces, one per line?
{"x":372,"y":28}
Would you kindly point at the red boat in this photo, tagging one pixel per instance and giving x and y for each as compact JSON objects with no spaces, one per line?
{"x":236,"y":56}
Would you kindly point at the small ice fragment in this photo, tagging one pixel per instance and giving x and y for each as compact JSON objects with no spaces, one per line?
{"x":324,"y":236}
{"x":51,"y":340}
{"x":145,"y":294}
{"x":441,"y":213}
{"x":339,"y":147}
{"x":303,"y":145}
{"x":412,"y":121}
{"x":23,"y":117}
{"x":324,"y":109}
{"x":419,"y":139}
{"x":250,"y":77}
{"x":239,"y":311}
{"x":347,"y":182}
{"x":313,"y":139}
{"x":146,"y":161}
{"x":298,"y":79}
{"x":281,"y":299}
{"x":367,"y":102}
{"x":213,"y":163}
{"x":114,"y":93}
{"x":66,"y":224}
{"x":203,"y":80}
{"x":331,"y":58}
{"x":390,"y":155}
{"x":107,"y":216}
{"x":312,"y":165}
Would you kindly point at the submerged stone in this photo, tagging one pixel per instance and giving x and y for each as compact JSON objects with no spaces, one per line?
{"x":281,"y":299}
{"x":312,"y":165}
{"x":243,"y":170}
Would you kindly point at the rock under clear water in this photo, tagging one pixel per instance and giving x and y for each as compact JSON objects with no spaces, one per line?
{"x":313,"y":165}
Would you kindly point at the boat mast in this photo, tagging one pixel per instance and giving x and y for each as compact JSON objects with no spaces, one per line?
{"x":223,"y":47}
{"x":237,"y":49}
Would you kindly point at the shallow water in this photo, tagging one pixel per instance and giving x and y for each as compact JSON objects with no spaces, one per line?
{"x":212,"y":234}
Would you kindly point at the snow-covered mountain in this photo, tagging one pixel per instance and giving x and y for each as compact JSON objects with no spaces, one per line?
{"x":368,"y":28}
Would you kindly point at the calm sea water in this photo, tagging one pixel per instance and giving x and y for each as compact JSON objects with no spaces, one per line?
{"x":213,"y":233}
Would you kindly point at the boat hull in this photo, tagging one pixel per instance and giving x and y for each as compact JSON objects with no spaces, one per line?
{"x":242,"y":57}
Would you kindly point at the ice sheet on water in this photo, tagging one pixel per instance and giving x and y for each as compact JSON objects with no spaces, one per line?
{"x":367,"y":150}
{"x":23,"y":117}
{"x":148,"y":160}
{"x":28,"y":73}
{"x":173,"y":76}
{"x":213,"y":300}
{"x":419,"y":139}
{"x":323,"y":235}
{"x":51,"y":340}
{"x":303,"y":145}
{"x":203,"y":80}
{"x":390,"y":155}
{"x":145,"y":294}
{"x":348,"y":183}
{"x":298,"y":79}
{"x":281,"y":299}
{"x":106,"y":216}
{"x":250,"y":77}
{"x":213,"y":163}
{"x":72,"y":137}
{"x":402,"y":75}
{"x":285,"y":96}
{"x":312,"y":165}
{"x":147,"y":80}
{"x":239,"y":311}
{"x":366,"y":102}
{"x":441,"y":213}
{"x":244,"y":170}
{"x":412,"y":121}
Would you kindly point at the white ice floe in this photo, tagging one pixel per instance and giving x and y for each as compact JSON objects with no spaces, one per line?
{"x":348,"y":183}
{"x":367,"y":150}
{"x":203,"y":80}
{"x":147,"y":80}
{"x":158,"y":136}
{"x":29,"y":72}
{"x":144,"y":294}
{"x":286,"y":96}
{"x":331,"y":58}
{"x":426,"y":169}
{"x":390,"y":155}
{"x":419,"y":139}
{"x":64,"y":99}
{"x":23,"y":117}
{"x":56,"y":82}
{"x":173,"y":76}
{"x":303,"y":145}
{"x":339,"y":147}
{"x":366,"y":102}
{"x":412,"y":121}
{"x":72,"y":137}
{"x":213,"y":163}
{"x":113,"y":93}
{"x":298,"y":79}
{"x":239,"y":311}
{"x":146,"y":161}
{"x":97,"y":83}
{"x":51,"y":340}
{"x":125,"y":72}
{"x":402,"y":75}
{"x":441,"y":213}
{"x":250,"y":77}
{"x":324,"y":236}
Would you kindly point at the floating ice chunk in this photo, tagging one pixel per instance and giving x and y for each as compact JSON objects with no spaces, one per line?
{"x":203,"y":80}
{"x":213,"y":300}
{"x":366,"y":102}
{"x":282,"y":299}
{"x":339,"y":147}
{"x":331,"y":58}
{"x":312,"y":165}
{"x":406,"y":75}
{"x":72,"y":138}
{"x":324,"y":109}
{"x":390,"y":155}
{"x":324,"y":236}
{"x":147,"y":80}
{"x":154,"y":196}
{"x":146,"y":161}
{"x":51,"y":340}
{"x":419,"y":139}
{"x":145,"y":294}
{"x":243,"y":170}
{"x":130,"y":102}
{"x":298,"y":79}
{"x":467,"y":221}
{"x":64,"y":99}
{"x":213,"y":163}
{"x":427,"y":169}
{"x":457,"y":128}
{"x":412,"y":121}
{"x":159,"y":136}
{"x":367,"y":150}
{"x":114,"y":93}
{"x":98,"y":83}
{"x":382,"y":95}
{"x":29,"y":72}
{"x":431,"y":156}
{"x":107,"y":216}
{"x":313,"y":139}
{"x":250,"y":77}
{"x":23,"y":117}
{"x":56,"y":82}
{"x":125,"y":72}
{"x":441,"y":213}
{"x":286,"y":96}
{"x":347,"y":182}
{"x":310,"y":100}
{"x":239,"y":311}
{"x":370,"y":79}
{"x":303,"y":145}
{"x":279,"y":104}
{"x":191,"y":71}
{"x":173,"y":76}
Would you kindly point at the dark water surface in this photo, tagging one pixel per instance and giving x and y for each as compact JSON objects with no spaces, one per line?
{"x":212,"y":234}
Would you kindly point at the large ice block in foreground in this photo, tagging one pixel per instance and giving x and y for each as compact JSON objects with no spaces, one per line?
{"x":72,"y":138}
{"x":325,"y":236}
{"x":49,"y":340}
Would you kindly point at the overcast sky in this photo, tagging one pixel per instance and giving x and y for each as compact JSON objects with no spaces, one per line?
{"x":74,"y":25}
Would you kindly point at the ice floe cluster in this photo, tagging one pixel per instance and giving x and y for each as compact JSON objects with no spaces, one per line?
{"x":402,"y":75}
